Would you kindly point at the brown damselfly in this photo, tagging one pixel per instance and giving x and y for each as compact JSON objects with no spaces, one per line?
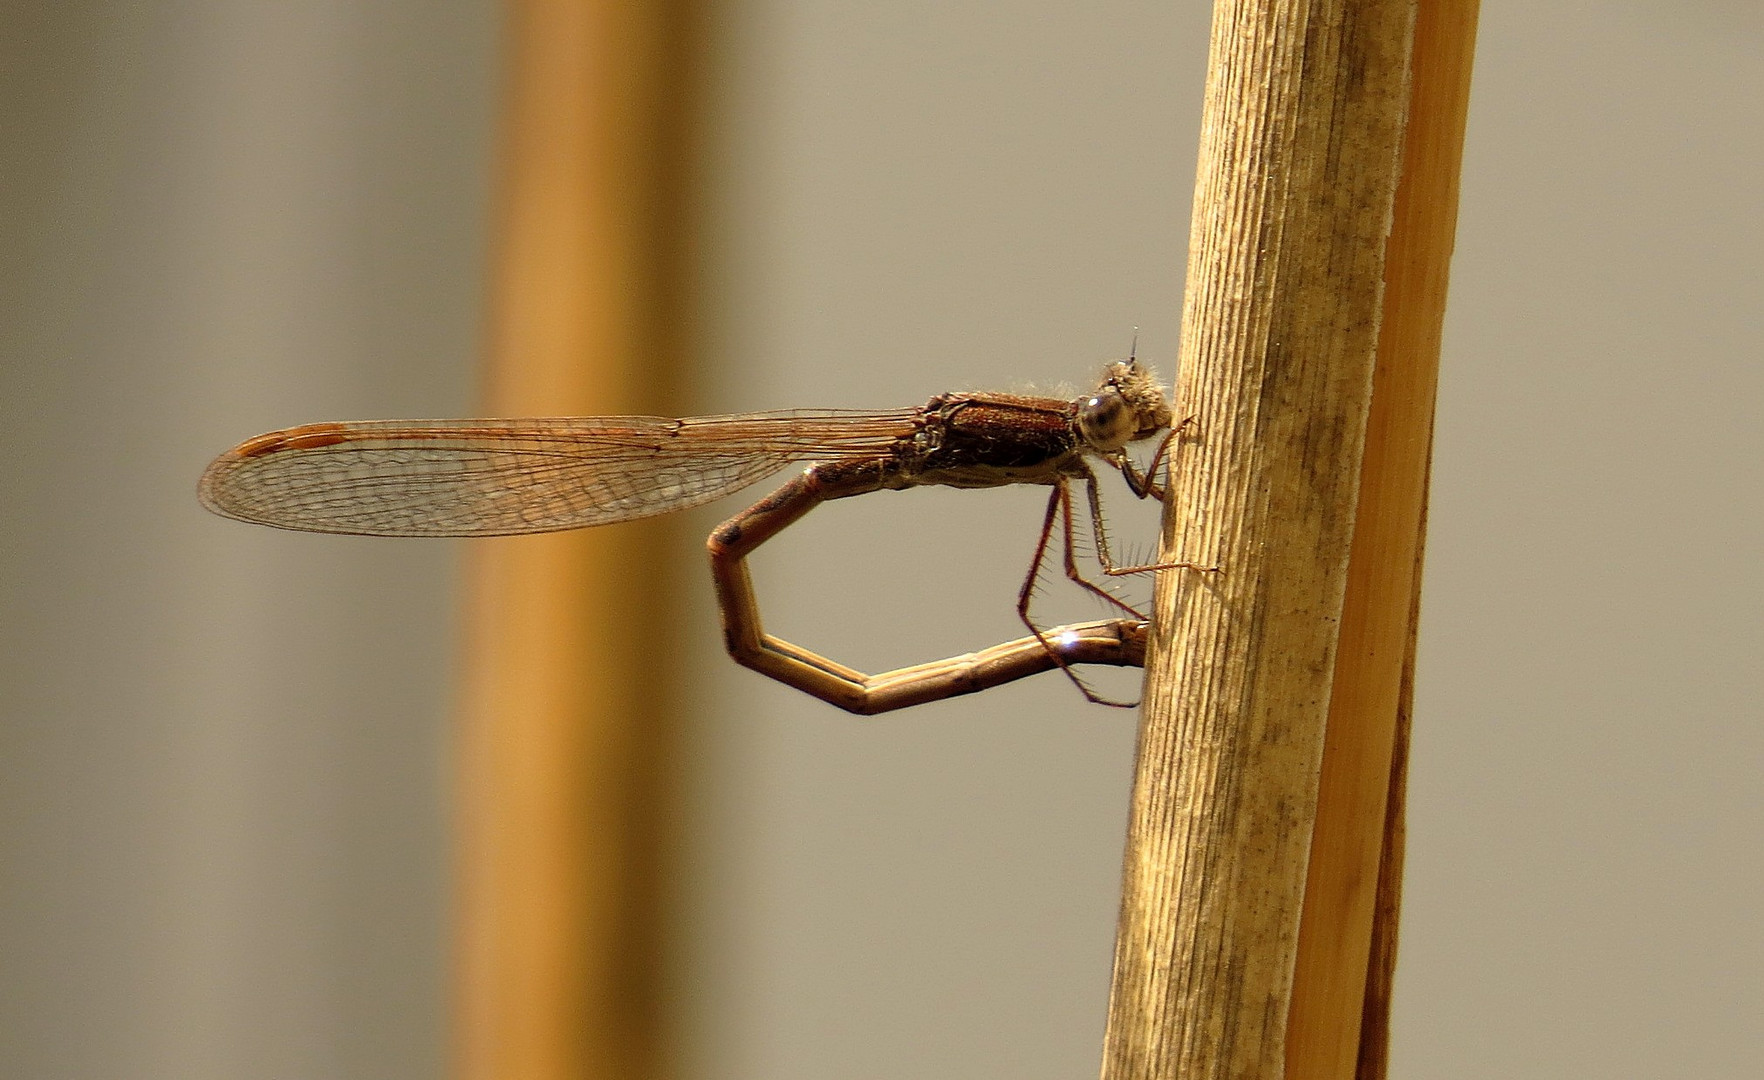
{"x":505,"y":477}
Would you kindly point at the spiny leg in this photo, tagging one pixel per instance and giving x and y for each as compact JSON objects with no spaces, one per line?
{"x":1144,"y":484}
{"x":1099,"y":530}
{"x":1060,"y":501}
{"x":1071,"y":556}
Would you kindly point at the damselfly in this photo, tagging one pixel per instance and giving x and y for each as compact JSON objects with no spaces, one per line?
{"x":503,"y":477}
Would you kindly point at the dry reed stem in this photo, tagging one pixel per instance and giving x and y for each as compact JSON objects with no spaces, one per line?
{"x":1300,"y":152}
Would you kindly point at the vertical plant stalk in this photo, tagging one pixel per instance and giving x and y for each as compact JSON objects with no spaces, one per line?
{"x":564,"y":735}
{"x":1347,"y":939}
{"x":1300,"y":153}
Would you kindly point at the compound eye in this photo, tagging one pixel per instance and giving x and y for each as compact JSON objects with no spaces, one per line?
{"x":1107,"y":422}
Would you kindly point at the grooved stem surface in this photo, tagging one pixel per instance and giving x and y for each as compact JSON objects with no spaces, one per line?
{"x":1300,"y":153}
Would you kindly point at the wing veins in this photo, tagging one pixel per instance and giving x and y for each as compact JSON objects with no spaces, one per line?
{"x":496,"y":477}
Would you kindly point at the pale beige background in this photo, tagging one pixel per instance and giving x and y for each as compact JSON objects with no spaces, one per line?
{"x":222,"y":750}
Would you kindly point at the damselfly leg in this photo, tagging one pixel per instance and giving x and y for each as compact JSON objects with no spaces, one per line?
{"x":1060,"y":511}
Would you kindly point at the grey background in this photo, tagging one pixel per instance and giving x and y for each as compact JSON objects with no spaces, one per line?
{"x":223,"y":751}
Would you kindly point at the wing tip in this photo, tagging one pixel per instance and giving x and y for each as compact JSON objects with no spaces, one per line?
{"x":212,"y":490}
{"x":305,"y":437}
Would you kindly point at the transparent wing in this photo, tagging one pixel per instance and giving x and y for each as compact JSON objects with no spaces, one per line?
{"x":499,"y":477}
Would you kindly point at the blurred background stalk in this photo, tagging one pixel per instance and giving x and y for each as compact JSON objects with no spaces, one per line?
{"x":570,"y":713}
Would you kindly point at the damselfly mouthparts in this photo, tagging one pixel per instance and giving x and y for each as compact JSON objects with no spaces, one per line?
{"x":503,"y":477}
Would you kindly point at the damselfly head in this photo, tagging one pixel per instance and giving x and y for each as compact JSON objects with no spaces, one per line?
{"x":1126,"y":406}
